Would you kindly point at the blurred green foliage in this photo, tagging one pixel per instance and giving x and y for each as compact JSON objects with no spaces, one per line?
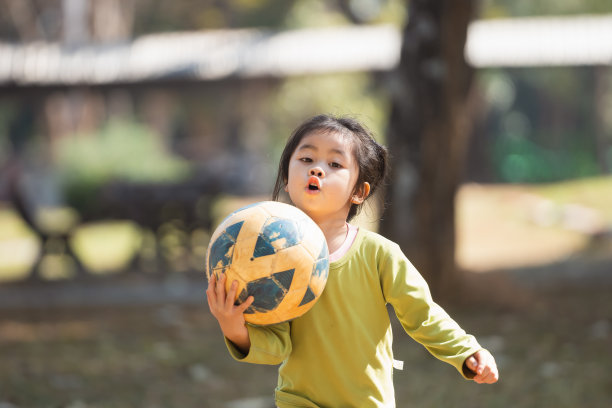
{"x":354,"y":95}
{"x":122,"y":151}
{"x":158,"y":16}
{"x":543,"y":124}
{"x":521,"y":160}
{"x":547,"y":124}
{"x":526,"y":8}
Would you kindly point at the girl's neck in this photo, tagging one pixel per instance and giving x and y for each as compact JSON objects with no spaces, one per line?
{"x":335,"y":233}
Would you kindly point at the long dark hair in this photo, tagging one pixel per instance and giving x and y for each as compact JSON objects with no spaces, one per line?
{"x":372,"y":158}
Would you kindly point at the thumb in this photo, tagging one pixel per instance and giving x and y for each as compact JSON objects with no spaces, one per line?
{"x":245,"y":305}
{"x":472,"y":364}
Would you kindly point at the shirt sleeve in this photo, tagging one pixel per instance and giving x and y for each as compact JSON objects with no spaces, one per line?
{"x":269,"y":344}
{"x":424,"y":320}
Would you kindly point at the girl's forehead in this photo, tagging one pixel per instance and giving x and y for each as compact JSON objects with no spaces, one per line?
{"x":327,"y":139}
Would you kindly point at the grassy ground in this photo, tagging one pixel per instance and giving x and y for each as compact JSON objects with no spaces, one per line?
{"x":551,"y":340}
{"x":553,"y":351}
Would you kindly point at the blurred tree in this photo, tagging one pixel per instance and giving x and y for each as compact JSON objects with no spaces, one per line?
{"x":25,"y":21}
{"x":601,"y":112}
{"x":428,"y":130}
{"x":431,"y":120}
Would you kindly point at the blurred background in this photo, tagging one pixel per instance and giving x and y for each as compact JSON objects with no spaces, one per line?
{"x":129,"y":129}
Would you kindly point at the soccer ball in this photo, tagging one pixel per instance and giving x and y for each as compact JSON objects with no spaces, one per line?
{"x":277,"y":254}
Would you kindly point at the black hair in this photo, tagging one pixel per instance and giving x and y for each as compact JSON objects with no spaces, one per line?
{"x":372,"y":158}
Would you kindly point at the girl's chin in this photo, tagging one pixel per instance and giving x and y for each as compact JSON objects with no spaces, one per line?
{"x":308,"y":208}
{"x":312,"y":193}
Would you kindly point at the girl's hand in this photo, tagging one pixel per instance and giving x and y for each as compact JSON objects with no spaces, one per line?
{"x":229,"y":316}
{"x":483,"y":365}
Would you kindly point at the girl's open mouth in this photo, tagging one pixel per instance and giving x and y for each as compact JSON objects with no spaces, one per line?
{"x":314,"y":184}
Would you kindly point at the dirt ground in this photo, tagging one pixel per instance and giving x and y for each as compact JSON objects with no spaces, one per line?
{"x":551,"y":343}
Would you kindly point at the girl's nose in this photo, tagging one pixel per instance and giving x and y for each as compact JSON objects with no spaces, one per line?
{"x":317,"y":171}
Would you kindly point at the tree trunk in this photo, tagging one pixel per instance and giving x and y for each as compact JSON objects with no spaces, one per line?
{"x":603,"y":145}
{"x":427,"y":138}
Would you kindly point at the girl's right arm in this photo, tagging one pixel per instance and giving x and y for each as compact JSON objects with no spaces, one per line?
{"x":423,"y":319}
{"x":229,"y":315}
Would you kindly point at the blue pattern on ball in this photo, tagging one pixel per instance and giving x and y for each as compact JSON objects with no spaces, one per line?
{"x":321,"y":266}
{"x":267,"y":292}
{"x":277,"y":234}
{"x":223,"y":248}
{"x":309,"y":296}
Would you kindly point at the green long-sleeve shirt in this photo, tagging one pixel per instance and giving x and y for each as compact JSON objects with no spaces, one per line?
{"x":339,"y":353}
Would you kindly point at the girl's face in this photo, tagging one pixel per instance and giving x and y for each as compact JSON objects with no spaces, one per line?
{"x":322,"y":175}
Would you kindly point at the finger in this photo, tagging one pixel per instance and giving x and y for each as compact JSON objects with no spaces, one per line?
{"x":493,"y":375}
{"x":211,"y":304}
{"x":480,"y":357}
{"x":220,"y":288}
{"x":210,"y":291}
{"x":245,"y":305}
{"x":231,"y":295}
{"x":212,"y":282}
{"x":471,"y":363}
{"x":484,"y":371}
{"x":488,"y":379}
{"x":490,"y":376}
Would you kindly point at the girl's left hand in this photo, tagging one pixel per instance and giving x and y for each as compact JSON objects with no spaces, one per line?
{"x":483,"y":365}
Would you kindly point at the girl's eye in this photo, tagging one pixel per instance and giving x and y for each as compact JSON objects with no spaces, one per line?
{"x":306,"y":159}
{"x":334,"y":164}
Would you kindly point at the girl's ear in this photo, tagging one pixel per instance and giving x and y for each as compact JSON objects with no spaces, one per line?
{"x":286,"y":188}
{"x":361,"y":193}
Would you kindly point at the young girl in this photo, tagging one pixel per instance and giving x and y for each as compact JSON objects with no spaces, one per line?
{"x":339,"y":354}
